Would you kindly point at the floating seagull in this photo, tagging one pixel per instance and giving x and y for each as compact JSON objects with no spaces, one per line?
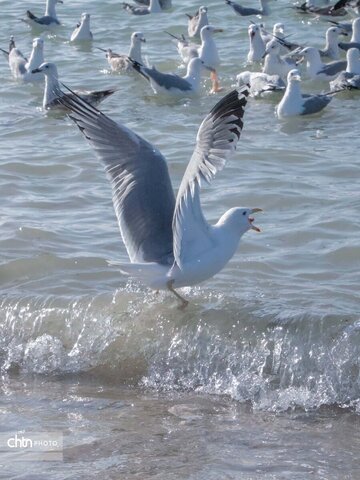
{"x":171,"y":83}
{"x":336,"y":10}
{"x":82,"y":31}
{"x":154,"y":7}
{"x":316,"y":69}
{"x":247,"y":11}
{"x":53,"y":91}
{"x":331,"y":49}
{"x":345,"y":26}
{"x":295,"y":103}
{"x":164,"y":4}
{"x":21,"y":68}
{"x":120,"y":62}
{"x":275,"y":64}
{"x":260,"y":83}
{"x":196,"y":22}
{"x":257,"y":45}
{"x":207,"y":51}
{"x":355,"y":38}
{"x":48,"y":20}
{"x":169,"y":242}
{"x":350,"y":78}
{"x":278,"y":31}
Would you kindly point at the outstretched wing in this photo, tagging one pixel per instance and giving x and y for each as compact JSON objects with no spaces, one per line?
{"x":217,"y":137}
{"x":142,"y":193}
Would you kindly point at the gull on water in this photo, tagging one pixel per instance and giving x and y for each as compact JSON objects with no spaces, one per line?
{"x":21,"y":68}
{"x":260,"y":83}
{"x":247,"y":11}
{"x":82,"y":32}
{"x":120,"y":62}
{"x":318,"y":70}
{"x":196,"y":22}
{"x":350,"y":78}
{"x":52,"y":90}
{"x":355,"y":38}
{"x":169,"y":242}
{"x":164,"y":4}
{"x":257,"y":45}
{"x":275,"y":64}
{"x":154,"y":7}
{"x":48,"y":20}
{"x":345,"y":26}
{"x":173,"y":84}
{"x":331,"y":49}
{"x":295,"y":103}
{"x":207,"y":51}
{"x":335,"y":10}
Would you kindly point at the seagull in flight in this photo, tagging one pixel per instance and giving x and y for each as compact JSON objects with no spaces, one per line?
{"x":169,"y":242}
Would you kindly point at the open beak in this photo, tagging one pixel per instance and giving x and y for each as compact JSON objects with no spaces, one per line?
{"x":36,"y":70}
{"x":251,"y":220}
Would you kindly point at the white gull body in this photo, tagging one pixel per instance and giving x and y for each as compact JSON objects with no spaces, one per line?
{"x":48,"y":20}
{"x":82,"y":32}
{"x":295,"y":103}
{"x":274,"y":64}
{"x":169,"y":242}
{"x":154,"y":7}
{"x":20,"y":67}
{"x":350,"y":78}
{"x":316,"y":69}
{"x":119,"y":62}
{"x":257,"y":45}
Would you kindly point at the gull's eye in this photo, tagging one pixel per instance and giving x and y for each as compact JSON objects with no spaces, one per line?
{"x":244,"y":213}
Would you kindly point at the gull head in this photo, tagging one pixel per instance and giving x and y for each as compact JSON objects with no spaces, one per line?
{"x":278,"y":28}
{"x":137,"y":37}
{"x":309,"y":53}
{"x":253,"y":30}
{"x":54,"y":2}
{"x":208,"y":30}
{"x":333,"y":32}
{"x":240,"y":220}
{"x":38,"y":43}
{"x":196,"y":64}
{"x":48,"y":69}
{"x":272,"y":48}
{"x":202,"y":10}
{"x":294,"y":76}
{"x":85,"y":17}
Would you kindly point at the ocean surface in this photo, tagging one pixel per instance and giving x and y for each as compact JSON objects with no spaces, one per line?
{"x":259,"y":377}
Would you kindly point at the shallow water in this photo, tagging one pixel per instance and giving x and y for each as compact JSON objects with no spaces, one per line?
{"x":259,"y":377}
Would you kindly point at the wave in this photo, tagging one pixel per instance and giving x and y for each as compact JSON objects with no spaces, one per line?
{"x":276,"y":362}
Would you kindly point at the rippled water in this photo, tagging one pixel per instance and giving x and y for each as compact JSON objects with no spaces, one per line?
{"x":259,"y":377}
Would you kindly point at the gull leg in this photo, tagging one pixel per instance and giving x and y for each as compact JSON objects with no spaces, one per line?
{"x":215,"y":83}
{"x":184,"y":303}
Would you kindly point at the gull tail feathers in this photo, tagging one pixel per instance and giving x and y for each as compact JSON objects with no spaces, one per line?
{"x":152,"y":274}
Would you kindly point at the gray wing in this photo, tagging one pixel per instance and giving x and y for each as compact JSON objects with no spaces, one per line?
{"x":340,"y":82}
{"x":193,"y":24}
{"x":135,"y":10}
{"x":167,"y":80}
{"x":243,"y":11}
{"x":314,"y":103}
{"x":45,"y":20}
{"x":163,"y":3}
{"x":354,"y":82}
{"x":142,"y":193}
{"x":347,"y":45}
{"x":333,"y":68}
{"x":217,"y":137}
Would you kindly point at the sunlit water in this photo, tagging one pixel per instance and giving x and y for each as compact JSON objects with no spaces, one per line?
{"x":259,"y":377}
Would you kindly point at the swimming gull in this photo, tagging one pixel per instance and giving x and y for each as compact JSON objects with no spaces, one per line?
{"x":53,"y":91}
{"x":196,"y":22}
{"x":348,"y":79}
{"x":120,"y":62}
{"x":275,"y":64}
{"x":345,"y":26}
{"x":331,"y":49}
{"x":247,"y":11}
{"x":21,"y":68}
{"x":154,"y":7}
{"x":207,"y":51}
{"x":295,"y":103}
{"x":82,"y":32}
{"x":318,"y":70}
{"x":355,"y":38}
{"x":48,"y":20}
{"x":257,"y":45}
{"x":169,"y":242}
{"x":260,"y":83}
{"x":335,"y":10}
{"x":164,"y":4}
{"x":171,"y":83}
